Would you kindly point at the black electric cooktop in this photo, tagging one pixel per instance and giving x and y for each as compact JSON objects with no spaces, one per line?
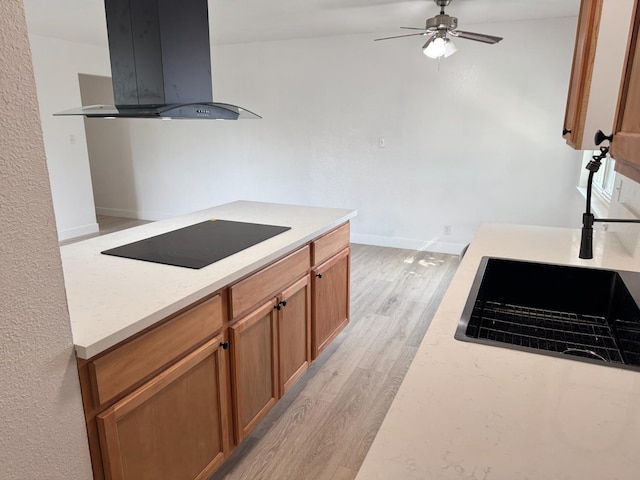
{"x":198,"y":245}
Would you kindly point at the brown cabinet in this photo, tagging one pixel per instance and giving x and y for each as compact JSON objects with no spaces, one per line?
{"x":174,"y":426}
{"x":581,"y":71}
{"x":330,"y":287}
{"x":294,"y":333}
{"x":270,"y":350}
{"x":127,"y":377}
{"x":254,"y":367}
{"x":330,"y":299}
{"x":267,"y":339}
{"x":625,"y":147}
{"x":598,"y":61}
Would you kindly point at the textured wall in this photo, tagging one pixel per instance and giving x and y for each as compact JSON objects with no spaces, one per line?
{"x":42,"y":432}
{"x":56,"y":64}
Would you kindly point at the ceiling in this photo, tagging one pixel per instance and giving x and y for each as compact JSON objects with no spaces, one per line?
{"x":237,"y":21}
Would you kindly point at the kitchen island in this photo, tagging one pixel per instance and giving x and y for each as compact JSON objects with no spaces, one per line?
{"x":112,"y":298}
{"x":478,"y":412}
{"x":178,"y":365}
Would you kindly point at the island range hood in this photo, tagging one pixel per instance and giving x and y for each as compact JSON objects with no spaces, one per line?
{"x":160,"y":63}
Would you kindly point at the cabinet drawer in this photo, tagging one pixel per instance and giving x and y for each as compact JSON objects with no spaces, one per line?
{"x":330,"y":244}
{"x":269,"y":281}
{"x":113,"y":373}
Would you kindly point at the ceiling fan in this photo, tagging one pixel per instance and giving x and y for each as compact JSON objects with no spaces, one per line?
{"x":439,"y":28}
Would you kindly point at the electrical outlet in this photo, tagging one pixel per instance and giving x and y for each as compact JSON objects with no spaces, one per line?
{"x":446,"y":230}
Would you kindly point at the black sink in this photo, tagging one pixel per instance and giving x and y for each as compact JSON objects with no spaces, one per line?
{"x":584,"y":314}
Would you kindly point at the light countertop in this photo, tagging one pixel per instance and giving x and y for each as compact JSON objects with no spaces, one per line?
{"x":112,"y":298}
{"x":478,"y":412}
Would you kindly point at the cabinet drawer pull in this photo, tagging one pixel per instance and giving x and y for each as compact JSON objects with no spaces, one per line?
{"x":601,"y":137}
{"x":224,"y":345}
{"x":318,"y":275}
{"x":565,"y":131}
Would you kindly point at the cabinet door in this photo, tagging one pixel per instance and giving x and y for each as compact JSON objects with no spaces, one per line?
{"x":581,"y":71}
{"x":254,"y":357}
{"x":294,"y":333}
{"x":175,"y":426}
{"x":330,"y":300}
{"x":625,"y":147}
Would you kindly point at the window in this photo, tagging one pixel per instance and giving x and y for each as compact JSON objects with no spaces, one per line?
{"x":603,"y":183}
{"x":603,"y":180}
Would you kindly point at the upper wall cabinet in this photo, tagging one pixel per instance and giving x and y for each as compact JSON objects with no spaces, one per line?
{"x":598,"y":61}
{"x":625,"y":147}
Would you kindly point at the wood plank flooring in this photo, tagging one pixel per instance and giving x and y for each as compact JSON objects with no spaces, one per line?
{"x":323,"y":428}
{"x":107,"y":224}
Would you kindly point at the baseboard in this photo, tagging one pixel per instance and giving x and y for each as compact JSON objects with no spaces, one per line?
{"x":77,"y":232}
{"x":135,"y":214}
{"x":435,"y":245}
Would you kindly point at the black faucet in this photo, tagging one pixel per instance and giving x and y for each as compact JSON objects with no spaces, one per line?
{"x":588,"y":219}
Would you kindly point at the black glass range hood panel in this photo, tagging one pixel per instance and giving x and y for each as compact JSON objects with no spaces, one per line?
{"x":198,"y":245}
{"x":160,"y":63}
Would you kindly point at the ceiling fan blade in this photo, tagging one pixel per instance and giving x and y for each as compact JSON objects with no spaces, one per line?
{"x":478,"y":37}
{"x":400,"y":36}
{"x":413,"y":28}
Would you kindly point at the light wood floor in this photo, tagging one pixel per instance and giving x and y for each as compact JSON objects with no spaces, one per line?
{"x":323,"y":428}
{"x":107,"y":224}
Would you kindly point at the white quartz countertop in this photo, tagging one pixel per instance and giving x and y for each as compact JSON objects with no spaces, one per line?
{"x":478,"y":412}
{"x":112,"y":298}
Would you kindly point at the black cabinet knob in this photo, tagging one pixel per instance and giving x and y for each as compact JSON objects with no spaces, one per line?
{"x":224,"y":345}
{"x":318,"y":275}
{"x":283,"y":303}
{"x":278,"y":307}
{"x":565,"y":131}
{"x":601,"y":137}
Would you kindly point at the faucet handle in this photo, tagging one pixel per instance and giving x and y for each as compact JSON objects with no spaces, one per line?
{"x":596,"y":160}
{"x":601,"y":137}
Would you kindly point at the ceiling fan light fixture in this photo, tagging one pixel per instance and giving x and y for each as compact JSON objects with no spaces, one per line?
{"x":449,"y":48}
{"x":438,"y":47}
{"x":434,"y":48}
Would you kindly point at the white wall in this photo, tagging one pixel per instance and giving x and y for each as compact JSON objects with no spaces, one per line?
{"x":625,"y":203}
{"x":56,"y":64}
{"x":42,"y":422}
{"x":109,"y":142}
{"x":476,"y":140}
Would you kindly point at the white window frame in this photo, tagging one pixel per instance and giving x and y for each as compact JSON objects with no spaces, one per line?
{"x":603,"y":182}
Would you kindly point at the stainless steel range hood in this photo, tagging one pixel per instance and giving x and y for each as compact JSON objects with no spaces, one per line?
{"x":160,"y":63}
